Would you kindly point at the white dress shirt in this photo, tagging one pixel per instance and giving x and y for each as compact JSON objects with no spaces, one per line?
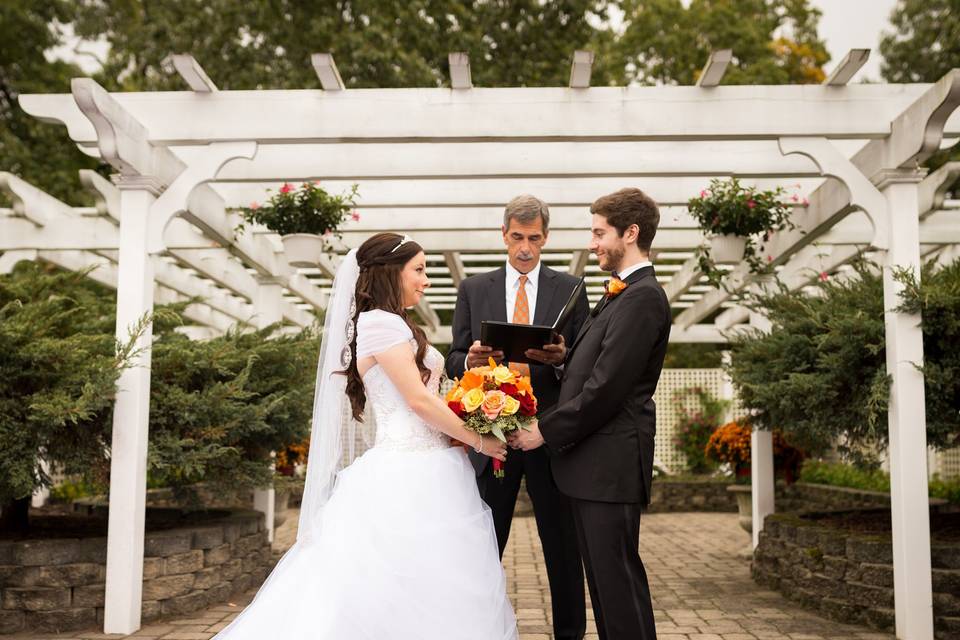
{"x":513,"y":288}
{"x":634,"y":267}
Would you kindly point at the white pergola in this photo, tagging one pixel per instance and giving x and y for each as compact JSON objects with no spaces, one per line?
{"x":440,"y":163}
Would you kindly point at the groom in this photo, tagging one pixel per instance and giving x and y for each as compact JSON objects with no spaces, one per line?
{"x":525,"y":290}
{"x":600,"y":435}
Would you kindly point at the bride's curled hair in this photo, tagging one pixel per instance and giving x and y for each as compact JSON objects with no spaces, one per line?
{"x":381,"y":259}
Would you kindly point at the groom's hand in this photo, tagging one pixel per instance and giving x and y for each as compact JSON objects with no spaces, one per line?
{"x":553,"y":354}
{"x":527,"y":439}
{"x":479,"y":355}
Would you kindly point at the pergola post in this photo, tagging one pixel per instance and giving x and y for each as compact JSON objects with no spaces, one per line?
{"x":909,"y":498}
{"x":131,"y":414}
{"x":268,"y":309}
{"x":762,"y":479}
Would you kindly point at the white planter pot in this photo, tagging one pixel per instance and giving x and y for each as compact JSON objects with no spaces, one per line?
{"x":303,"y":249}
{"x":727,"y":249}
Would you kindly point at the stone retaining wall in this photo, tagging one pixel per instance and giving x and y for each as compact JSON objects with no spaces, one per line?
{"x":53,"y":585}
{"x":675,"y":496}
{"x":847,"y":576}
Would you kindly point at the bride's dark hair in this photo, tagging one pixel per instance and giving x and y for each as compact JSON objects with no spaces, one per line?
{"x":381,"y":259}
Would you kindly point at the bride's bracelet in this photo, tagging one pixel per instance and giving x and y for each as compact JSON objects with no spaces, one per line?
{"x":479,"y":447}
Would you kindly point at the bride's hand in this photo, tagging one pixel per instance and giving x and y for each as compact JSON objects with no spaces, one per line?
{"x":493,"y":447}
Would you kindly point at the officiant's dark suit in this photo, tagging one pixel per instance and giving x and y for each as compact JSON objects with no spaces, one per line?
{"x":601,"y":432}
{"x":486,"y":297}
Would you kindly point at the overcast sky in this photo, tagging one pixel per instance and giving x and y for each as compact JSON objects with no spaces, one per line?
{"x":845,"y":25}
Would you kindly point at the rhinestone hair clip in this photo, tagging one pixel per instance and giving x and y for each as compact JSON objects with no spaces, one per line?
{"x":404,"y":240}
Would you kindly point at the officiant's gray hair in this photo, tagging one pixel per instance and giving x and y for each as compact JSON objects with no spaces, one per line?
{"x":525,"y":209}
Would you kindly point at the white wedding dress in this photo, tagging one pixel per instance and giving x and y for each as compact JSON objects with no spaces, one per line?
{"x":406,"y":549}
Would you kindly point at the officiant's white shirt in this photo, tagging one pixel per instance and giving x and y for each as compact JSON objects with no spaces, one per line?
{"x":513,"y":288}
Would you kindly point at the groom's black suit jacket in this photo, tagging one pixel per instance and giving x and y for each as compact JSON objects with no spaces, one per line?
{"x":483,"y":297}
{"x":600,"y":434}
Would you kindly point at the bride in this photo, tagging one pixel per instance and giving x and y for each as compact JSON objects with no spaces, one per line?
{"x":396,"y":544}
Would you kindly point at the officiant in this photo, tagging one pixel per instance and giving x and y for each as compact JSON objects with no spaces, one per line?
{"x":526,"y":291}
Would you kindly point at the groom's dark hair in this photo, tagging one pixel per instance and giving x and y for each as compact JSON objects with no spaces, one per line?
{"x":628,"y":207}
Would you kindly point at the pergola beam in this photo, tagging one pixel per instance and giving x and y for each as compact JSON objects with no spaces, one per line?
{"x":327,"y":72}
{"x":460,"y":71}
{"x":580,"y":69}
{"x":847,"y":68}
{"x":187,"y":67}
{"x":716,"y":67}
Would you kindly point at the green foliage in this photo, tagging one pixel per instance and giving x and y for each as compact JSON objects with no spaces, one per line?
{"x":839,"y":474}
{"x":59,"y":365}
{"x":922,"y":46}
{"x":696,"y":425}
{"x":308,"y":209}
{"x":220,"y":406}
{"x":665,"y":41}
{"x":728,"y":208}
{"x":693,"y":355}
{"x":820,"y":373}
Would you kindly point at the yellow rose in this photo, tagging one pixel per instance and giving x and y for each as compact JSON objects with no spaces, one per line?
{"x":510,"y":406}
{"x":502,"y":374}
{"x":472,"y":399}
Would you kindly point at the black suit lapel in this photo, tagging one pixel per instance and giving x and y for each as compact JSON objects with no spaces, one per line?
{"x":546,"y":288}
{"x":634,"y":277}
{"x":497,"y":295}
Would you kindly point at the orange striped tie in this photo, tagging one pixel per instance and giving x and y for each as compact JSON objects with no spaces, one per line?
{"x":521,"y":315}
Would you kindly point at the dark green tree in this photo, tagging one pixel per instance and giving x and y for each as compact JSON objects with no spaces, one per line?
{"x":667,"y":42}
{"x":37,"y":152}
{"x":924,"y":43}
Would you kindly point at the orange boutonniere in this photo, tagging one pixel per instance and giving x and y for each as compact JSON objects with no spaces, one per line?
{"x":614,"y":287}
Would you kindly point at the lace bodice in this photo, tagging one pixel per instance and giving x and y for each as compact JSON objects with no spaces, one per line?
{"x":398,"y":426}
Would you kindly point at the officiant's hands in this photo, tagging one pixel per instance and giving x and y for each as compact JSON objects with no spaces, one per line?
{"x":527,"y":439}
{"x":553,"y":354}
{"x":479,"y":354}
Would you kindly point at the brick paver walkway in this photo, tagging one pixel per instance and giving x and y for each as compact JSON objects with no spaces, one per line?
{"x":702,"y":589}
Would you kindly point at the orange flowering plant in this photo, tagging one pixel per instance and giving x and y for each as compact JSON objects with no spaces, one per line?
{"x":730,"y":443}
{"x":493,"y":399}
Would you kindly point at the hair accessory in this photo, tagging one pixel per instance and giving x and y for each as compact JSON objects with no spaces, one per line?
{"x":403,"y":241}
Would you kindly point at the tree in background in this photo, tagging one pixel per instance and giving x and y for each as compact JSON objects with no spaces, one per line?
{"x":773,"y":41}
{"x":37,"y":152}
{"x":923,"y":46}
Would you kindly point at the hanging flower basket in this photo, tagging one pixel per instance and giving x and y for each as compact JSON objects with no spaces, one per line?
{"x":727,"y":248}
{"x":738,"y":222}
{"x":306,"y":217}
{"x":304,"y":249}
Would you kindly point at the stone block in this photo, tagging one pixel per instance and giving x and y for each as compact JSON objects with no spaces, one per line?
{"x":248,"y":544}
{"x":945,"y":604}
{"x":869,"y":596}
{"x":152,"y":567}
{"x":88,"y":596}
{"x":242,"y":582}
{"x":876,"y":575}
{"x":947,"y":581}
{"x":36,"y":553}
{"x":835,"y":567}
{"x":61,"y":620}
{"x":166,"y":587}
{"x":207,"y":537}
{"x":219,"y":592}
{"x":6,"y":552}
{"x":71,"y":575}
{"x":945,"y":556}
{"x":167,"y":544}
{"x":232,"y":569}
{"x":36,"y":598}
{"x":207,"y":578}
{"x":870,"y":550}
{"x":93,"y":550}
{"x":187,"y":562}
{"x":217,"y":555}
{"x":14,"y":576}
{"x":187,"y":603}
{"x":879,"y":618}
{"x":150,"y":610}
{"x":841,"y":610}
{"x":11,"y":621}
{"x":251,"y":563}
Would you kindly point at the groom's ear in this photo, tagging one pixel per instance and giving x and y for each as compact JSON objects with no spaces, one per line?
{"x":631,"y":234}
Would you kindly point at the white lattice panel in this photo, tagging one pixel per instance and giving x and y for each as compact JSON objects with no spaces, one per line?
{"x":947,"y":464}
{"x":667,"y":456}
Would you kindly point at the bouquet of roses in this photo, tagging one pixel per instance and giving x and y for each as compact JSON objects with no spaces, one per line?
{"x":493,"y":399}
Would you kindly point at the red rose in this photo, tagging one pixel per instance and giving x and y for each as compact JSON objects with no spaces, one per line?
{"x":528,"y":405}
{"x":457,"y":407}
{"x":510,"y":389}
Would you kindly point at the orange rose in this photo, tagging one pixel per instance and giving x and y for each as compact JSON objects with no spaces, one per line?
{"x":455,"y":394}
{"x":471,"y":380}
{"x":493,"y":404}
{"x":523,"y":385}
